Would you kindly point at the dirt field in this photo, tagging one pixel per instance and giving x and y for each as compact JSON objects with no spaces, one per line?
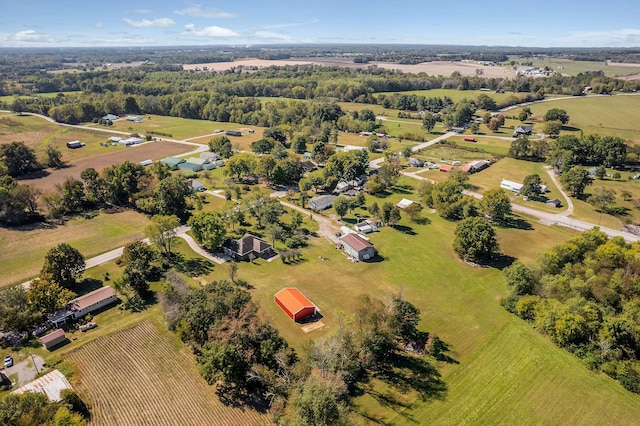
{"x":432,"y":68}
{"x":134,"y":154}
{"x":139,"y":377}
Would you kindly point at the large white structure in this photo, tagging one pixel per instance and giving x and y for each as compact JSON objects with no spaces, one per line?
{"x":510,"y":186}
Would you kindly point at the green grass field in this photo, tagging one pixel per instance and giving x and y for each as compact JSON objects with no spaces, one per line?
{"x":604,"y":115}
{"x":573,"y":68}
{"x":455,"y":95}
{"x":23,"y":249}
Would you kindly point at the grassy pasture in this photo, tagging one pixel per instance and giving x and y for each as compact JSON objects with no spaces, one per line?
{"x":573,"y":68}
{"x":455,"y":95}
{"x":23,"y":249}
{"x":489,"y":144}
{"x":145,"y":376}
{"x":604,"y":115}
{"x":9,"y":98}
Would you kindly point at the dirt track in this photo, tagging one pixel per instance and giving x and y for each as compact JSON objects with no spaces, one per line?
{"x":135,"y":154}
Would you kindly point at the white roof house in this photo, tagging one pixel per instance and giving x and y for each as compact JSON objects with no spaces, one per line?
{"x":404,"y":203}
{"x":510,"y":186}
{"x":51,"y":385}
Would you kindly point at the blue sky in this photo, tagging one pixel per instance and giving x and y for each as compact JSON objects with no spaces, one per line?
{"x":543,"y":23}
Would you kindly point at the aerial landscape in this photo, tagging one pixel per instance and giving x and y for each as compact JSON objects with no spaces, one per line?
{"x":324,"y":214}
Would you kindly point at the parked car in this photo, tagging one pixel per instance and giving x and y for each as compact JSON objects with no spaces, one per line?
{"x":8,"y":361}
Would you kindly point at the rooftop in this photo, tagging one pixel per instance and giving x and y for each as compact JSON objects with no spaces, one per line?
{"x":51,"y":385}
{"x":293,"y":299}
{"x":355,"y":241}
{"x":92,"y":298}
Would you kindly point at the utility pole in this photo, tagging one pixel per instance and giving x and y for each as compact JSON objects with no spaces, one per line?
{"x":34,"y":363}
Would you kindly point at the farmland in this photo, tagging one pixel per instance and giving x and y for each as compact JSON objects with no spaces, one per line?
{"x":21,"y":259}
{"x":571,"y":67}
{"x":143,"y":376}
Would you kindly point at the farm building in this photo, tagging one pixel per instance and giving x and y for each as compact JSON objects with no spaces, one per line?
{"x":74,"y":144}
{"x":404,"y":203}
{"x":134,"y":118}
{"x":469,"y":139}
{"x":416,"y":162}
{"x":196,"y":185}
{"x":205,"y":163}
{"x":146,"y":162}
{"x":114,"y":139}
{"x":321,"y":202}
{"x":365,"y":227}
{"x":510,"y":186}
{"x":83,"y":305}
{"x":295,"y":304}
{"x":475,"y":166}
{"x":50,"y":385}
{"x":554,"y":202}
{"x":172,"y":162}
{"x":445,"y":168}
{"x":211,"y":156}
{"x":92,"y":301}
{"x":233,"y":133}
{"x":248,"y":247}
{"x":110,"y":117}
{"x":522,"y":130}
{"x":130,"y":141}
{"x":53,"y":339}
{"x":189,"y":167}
{"x":357,"y":247}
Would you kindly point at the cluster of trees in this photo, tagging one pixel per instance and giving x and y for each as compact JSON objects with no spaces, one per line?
{"x":33,"y":408}
{"x":583,"y":295}
{"x":23,"y":309}
{"x":246,"y":359}
{"x":475,"y":238}
{"x":569,"y":150}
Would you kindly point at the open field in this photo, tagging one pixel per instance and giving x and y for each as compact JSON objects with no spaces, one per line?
{"x":23,"y":249}
{"x":143,"y":376}
{"x":182,"y":128}
{"x":506,"y":370}
{"x":444,"y":68}
{"x":573,"y":68}
{"x":9,"y":98}
{"x":605,"y":115}
{"x":111,"y":156}
{"x":455,"y":95}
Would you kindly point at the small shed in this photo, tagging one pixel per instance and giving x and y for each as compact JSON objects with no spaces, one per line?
{"x":53,"y":339}
{"x":404,"y":203}
{"x":357,"y":247}
{"x":146,"y":162}
{"x":554,"y":202}
{"x":469,"y":139}
{"x":74,"y":144}
{"x":295,"y":304}
{"x":196,"y":185}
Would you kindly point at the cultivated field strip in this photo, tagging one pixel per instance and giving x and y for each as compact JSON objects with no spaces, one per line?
{"x":138,"y":377}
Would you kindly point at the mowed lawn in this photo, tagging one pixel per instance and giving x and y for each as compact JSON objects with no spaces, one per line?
{"x":573,"y":68}
{"x":506,"y":371}
{"x":23,"y":249}
{"x":145,"y":376}
{"x":614,"y":115}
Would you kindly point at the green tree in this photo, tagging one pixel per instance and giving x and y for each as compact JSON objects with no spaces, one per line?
{"x":15,"y":311}
{"x":221,"y":145}
{"x":263,"y":146}
{"x":275,"y":133}
{"x":601,"y":172}
{"x":274,"y":231}
{"x":496,"y":122}
{"x":18,"y":158}
{"x":319,"y":402}
{"x":556,"y":114}
{"x":243,"y":164}
{"x":429,"y":121}
{"x":63,"y":265}
{"x":162,"y":231}
{"x":519,"y":278}
{"x":602,"y":198}
{"x":138,"y":256}
{"x":299,"y":144}
{"x":413,"y":211}
{"x":341,"y":206}
{"x":47,"y":297}
{"x":520,"y":147}
{"x":531,"y":186}
{"x":171,"y":196}
{"x":475,"y":128}
{"x":552,"y":128}
{"x":475,"y":239}
{"x":495,"y":205}
{"x":525,"y":114}
{"x":404,"y":319}
{"x":53,"y":157}
{"x":575,"y":180}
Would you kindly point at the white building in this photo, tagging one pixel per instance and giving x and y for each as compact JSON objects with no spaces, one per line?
{"x":510,"y":186}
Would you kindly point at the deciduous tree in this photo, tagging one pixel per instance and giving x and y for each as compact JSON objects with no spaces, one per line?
{"x":475,"y":239}
{"x":63,"y":265}
{"x":161,"y":231}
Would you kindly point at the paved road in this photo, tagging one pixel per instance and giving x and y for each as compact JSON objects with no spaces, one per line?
{"x":375,"y":164}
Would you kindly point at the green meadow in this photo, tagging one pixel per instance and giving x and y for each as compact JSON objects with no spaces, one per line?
{"x":573,"y":68}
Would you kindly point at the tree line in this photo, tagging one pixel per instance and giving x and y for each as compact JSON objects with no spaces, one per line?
{"x":583,"y":295}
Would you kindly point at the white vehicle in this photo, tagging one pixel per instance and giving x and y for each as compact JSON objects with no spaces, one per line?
{"x":8,"y":361}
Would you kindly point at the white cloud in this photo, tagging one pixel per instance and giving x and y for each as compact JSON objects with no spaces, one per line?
{"x":197,"y":11}
{"x":142,"y":11}
{"x":31,"y":36}
{"x":292,"y":24}
{"x":213,"y":31}
{"x":97,"y":25}
{"x":270,"y":35}
{"x":147,"y":23}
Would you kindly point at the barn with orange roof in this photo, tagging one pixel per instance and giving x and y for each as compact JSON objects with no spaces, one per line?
{"x":295,"y":304}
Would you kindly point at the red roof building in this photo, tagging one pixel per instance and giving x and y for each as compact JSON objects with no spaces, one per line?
{"x":295,"y":304}
{"x":445,"y":168}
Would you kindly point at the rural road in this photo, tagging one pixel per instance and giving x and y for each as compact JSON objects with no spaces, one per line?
{"x":375,"y":164}
{"x":25,"y":370}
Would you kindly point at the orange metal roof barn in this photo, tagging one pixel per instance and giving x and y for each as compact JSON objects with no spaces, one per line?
{"x":294,"y":303}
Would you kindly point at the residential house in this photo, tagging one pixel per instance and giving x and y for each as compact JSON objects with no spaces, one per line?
{"x":366,"y":226}
{"x":110,"y":117}
{"x":522,"y":130}
{"x":416,"y":162}
{"x":248,"y":247}
{"x":341,"y":187}
{"x":83,"y":305}
{"x":511,"y":186}
{"x":308,"y":166}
